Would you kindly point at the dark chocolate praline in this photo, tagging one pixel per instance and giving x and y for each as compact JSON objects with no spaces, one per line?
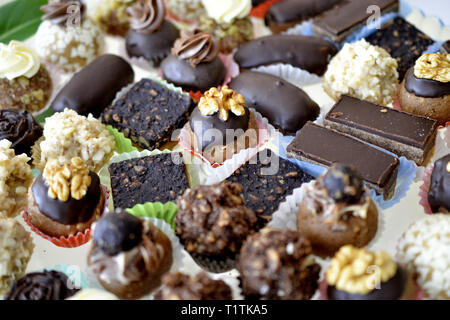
{"x":203,"y":126}
{"x":439,"y":192}
{"x":94,"y":88}
{"x":201,"y":78}
{"x":21,"y":129}
{"x":425,"y":87}
{"x":286,"y":106}
{"x":392,"y":289}
{"x":68,"y":212}
{"x":152,"y":46}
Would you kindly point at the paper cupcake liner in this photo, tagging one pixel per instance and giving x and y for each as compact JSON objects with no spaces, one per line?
{"x":301,"y":29}
{"x":165,"y":212}
{"x":123,"y":144}
{"x":298,"y":77}
{"x":73,"y":240}
{"x":424,"y":188}
{"x":78,"y":278}
{"x":260,"y":10}
{"x":224,"y":264}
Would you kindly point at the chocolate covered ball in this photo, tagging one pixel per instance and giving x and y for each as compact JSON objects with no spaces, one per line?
{"x":343,"y":183}
{"x":117,"y":232}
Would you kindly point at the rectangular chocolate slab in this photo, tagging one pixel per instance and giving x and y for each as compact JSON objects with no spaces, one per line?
{"x":149,"y":113}
{"x":345,"y":18}
{"x":266,"y":181}
{"x":323,"y":146}
{"x":403,"y":41}
{"x":402,"y":133}
{"x":149,"y":179}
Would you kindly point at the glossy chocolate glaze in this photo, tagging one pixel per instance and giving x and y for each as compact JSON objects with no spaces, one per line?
{"x":287,"y":107}
{"x":201,"y":78}
{"x":72,"y":211}
{"x":295,"y":10}
{"x":154,"y":46}
{"x":393,"y":289}
{"x":308,"y":53}
{"x":425,"y":87}
{"x":439,"y":193}
{"x":93,"y":88}
{"x":200,"y":125}
{"x":21,"y":129}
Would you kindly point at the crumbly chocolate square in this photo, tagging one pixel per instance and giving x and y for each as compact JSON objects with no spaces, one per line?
{"x":403,"y":41}
{"x":149,"y":113}
{"x":263,"y":191}
{"x":149,"y":179}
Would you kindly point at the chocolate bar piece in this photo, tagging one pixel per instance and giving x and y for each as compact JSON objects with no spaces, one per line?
{"x":345,"y":18}
{"x":285,"y":14}
{"x":402,"y":133}
{"x":266,"y":182}
{"x":445,"y":48}
{"x":149,"y":113}
{"x":403,"y":41}
{"x":149,"y":179}
{"x":323,"y":146}
{"x":309,"y":53}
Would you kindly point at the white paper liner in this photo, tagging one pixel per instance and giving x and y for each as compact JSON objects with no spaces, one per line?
{"x":209,"y":175}
{"x":298,"y":77}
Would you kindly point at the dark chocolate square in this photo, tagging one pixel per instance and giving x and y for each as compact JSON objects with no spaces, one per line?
{"x":149,"y":179}
{"x":403,"y":41}
{"x":264,"y":192}
{"x":149,"y":113}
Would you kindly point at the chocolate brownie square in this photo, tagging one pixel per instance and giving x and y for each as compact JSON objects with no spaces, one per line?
{"x":149,"y":179}
{"x":149,"y":113}
{"x":266,"y":181}
{"x":403,"y":41}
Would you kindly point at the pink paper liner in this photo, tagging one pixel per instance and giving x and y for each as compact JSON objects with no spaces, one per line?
{"x":72,"y":241}
{"x":323,"y":287}
{"x":260,"y":10}
{"x":423,"y":190}
{"x":184,"y":142}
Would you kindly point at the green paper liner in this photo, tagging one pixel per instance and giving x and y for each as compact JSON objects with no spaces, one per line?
{"x":123,"y":144}
{"x":165,"y":212}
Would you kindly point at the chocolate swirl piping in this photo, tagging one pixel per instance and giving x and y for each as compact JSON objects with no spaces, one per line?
{"x":197,"y":46}
{"x":19,"y":127}
{"x":47,"y":285}
{"x":58,"y":12}
{"x":147,"y":16}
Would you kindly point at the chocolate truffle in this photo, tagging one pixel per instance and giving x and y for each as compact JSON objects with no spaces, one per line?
{"x":194,"y":63}
{"x":65,"y":199}
{"x":150,"y":36}
{"x":278,"y":265}
{"x":309,"y":53}
{"x":137,"y":255}
{"x":98,"y":82}
{"x":46,"y":285}
{"x":285,"y":14}
{"x":222,"y":125}
{"x":358,"y":274}
{"x":336,"y":210}
{"x":425,"y":91}
{"x":178,"y":286}
{"x":212,"y":223}
{"x":439,"y":192}
{"x":287,"y":107}
{"x":20,"y":128}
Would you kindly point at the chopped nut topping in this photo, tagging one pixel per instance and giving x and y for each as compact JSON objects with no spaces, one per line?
{"x":360,"y":271}
{"x":222,"y":101}
{"x":433,"y":66}
{"x":67,"y":180}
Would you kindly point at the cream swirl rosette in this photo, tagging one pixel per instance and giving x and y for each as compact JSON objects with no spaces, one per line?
{"x":17,"y":59}
{"x":225,"y":11}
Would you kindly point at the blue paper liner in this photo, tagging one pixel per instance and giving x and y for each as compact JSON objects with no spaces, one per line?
{"x":78,"y":277}
{"x":435,"y":47}
{"x":405,"y":177}
{"x":367,"y":30}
